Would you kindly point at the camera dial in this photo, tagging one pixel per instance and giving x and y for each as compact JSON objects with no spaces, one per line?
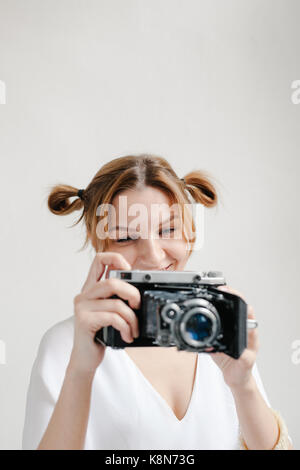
{"x":170,"y":312}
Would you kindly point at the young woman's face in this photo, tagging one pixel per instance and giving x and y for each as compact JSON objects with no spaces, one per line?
{"x":147,"y":231}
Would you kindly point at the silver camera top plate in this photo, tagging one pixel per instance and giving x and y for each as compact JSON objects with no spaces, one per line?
{"x":169,"y":277}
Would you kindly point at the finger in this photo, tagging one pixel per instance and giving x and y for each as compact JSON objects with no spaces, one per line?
{"x":231,"y":291}
{"x":123,"y":289}
{"x":250,"y":312}
{"x":219,"y":355}
{"x":116,"y":306}
{"x":247,"y":358}
{"x":114,"y":260}
{"x":252,"y":339}
{"x":110,"y":268}
{"x":221,"y":359}
{"x":98,"y":320}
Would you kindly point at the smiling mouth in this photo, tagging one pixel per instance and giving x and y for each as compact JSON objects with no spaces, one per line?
{"x":168,"y":267}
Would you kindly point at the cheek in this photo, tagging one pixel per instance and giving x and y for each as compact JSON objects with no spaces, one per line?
{"x":130,"y":256}
{"x":128,"y":252}
{"x":176,"y":249}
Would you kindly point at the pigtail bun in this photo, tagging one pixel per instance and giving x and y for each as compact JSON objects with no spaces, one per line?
{"x":59,"y":200}
{"x":200,"y":186}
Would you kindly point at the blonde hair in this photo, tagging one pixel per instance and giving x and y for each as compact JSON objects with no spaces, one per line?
{"x":131,"y":172}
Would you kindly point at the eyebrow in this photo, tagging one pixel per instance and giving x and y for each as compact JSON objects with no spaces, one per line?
{"x":173,"y":216}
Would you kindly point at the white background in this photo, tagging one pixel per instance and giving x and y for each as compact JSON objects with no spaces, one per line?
{"x":206,"y":84}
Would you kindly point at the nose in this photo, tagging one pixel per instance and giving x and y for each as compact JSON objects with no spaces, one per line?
{"x":151,"y":254}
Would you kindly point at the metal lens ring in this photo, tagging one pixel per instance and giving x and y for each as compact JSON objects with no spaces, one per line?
{"x":206,"y":316}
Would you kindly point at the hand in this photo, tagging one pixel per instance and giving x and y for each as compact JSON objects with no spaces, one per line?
{"x":93,"y":310}
{"x":238,"y":372}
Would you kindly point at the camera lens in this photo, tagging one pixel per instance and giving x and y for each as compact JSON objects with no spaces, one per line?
{"x":198,"y":327}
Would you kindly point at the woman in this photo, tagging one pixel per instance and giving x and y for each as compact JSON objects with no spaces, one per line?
{"x":83,"y":395}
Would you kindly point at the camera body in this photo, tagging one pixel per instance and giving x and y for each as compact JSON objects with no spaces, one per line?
{"x":183,"y":309}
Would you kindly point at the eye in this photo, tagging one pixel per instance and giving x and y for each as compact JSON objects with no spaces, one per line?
{"x":121,"y":240}
{"x":129,"y":239}
{"x":168,"y":230}
{"x":126,"y":239}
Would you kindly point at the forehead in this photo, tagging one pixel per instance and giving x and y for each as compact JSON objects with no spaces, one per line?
{"x":144,"y":201}
{"x":143,"y":196}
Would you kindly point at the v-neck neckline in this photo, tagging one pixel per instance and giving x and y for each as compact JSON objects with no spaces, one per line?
{"x":159,"y":396}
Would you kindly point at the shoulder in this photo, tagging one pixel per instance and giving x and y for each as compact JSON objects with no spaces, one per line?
{"x":55,"y":347}
{"x":60,"y":335}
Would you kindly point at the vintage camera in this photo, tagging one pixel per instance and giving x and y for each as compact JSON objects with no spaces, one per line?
{"x":183,"y":309}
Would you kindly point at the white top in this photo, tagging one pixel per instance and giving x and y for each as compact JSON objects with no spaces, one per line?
{"x":126,"y":411}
